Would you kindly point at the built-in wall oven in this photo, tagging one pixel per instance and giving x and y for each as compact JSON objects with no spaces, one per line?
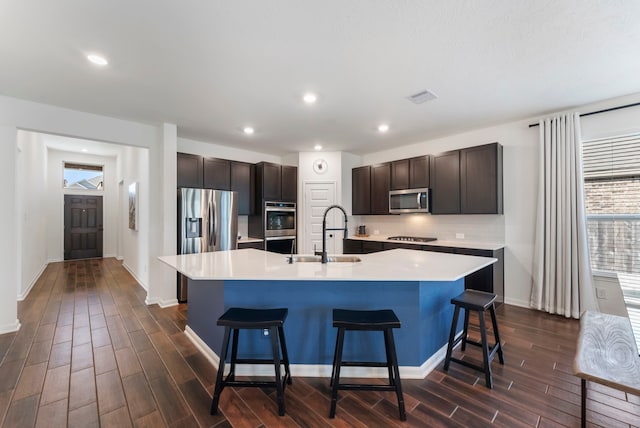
{"x":280,"y":227}
{"x":279,"y":219}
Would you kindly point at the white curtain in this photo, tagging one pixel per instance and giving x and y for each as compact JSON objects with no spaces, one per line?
{"x":562,"y":281}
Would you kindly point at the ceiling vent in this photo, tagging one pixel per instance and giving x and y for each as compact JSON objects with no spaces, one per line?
{"x":422,"y":97}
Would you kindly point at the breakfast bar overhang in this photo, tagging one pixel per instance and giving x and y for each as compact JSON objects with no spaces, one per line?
{"x":416,"y":285}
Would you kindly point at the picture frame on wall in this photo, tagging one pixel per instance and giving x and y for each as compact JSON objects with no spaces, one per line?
{"x":133,"y":206}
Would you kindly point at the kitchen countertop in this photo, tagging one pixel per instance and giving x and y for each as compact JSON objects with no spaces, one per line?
{"x":247,"y":239}
{"x":390,"y":265}
{"x":475,"y":245}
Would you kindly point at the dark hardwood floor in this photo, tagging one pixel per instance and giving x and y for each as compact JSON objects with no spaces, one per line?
{"x":91,"y":353}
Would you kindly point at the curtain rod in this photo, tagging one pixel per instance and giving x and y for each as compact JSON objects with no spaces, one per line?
{"x":598,"y":112}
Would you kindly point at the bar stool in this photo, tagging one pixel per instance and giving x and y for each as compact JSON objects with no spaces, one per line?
{"x":380,"y":320}
{"x":480,"y":301}
{"x":240,"y":318}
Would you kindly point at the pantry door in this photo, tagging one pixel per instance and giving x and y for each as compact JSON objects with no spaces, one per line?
{"x":318,"y":196}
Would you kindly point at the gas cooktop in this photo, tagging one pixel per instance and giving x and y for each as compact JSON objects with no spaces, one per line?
{"x":411,"y":238}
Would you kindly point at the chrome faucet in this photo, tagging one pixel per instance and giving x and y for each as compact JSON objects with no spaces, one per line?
{"x":324,"y":229}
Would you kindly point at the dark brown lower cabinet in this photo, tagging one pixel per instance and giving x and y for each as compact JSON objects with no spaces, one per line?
{"x":489,"y":279}
{"x":257,"y":245}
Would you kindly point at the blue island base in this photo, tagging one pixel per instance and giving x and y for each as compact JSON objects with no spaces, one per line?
{"x":423,"y":307}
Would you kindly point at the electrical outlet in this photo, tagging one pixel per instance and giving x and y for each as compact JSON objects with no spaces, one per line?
{"x":376,"y":232}
{"x":601,"y":293}
{"x":459,"y":235}
{"x":265,"y":332}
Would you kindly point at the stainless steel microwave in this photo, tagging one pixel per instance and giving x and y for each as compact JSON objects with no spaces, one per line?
{"x":409,"y":201}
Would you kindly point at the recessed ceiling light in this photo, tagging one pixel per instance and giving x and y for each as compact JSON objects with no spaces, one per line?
{"x":84,"y":150}
{"x":317,"y":147}
{"x":383,"y":127}
{"x":310,"y":98}
{"x":248,"y":130}
{"x":97,"y":59}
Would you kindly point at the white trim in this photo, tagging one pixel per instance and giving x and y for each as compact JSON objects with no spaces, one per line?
{"x":124,"y":264}
{"x":10,"y":328}
{"x":25,"y":293}
{"x":56,"y":260}
{"x":604,"y":274}
{"x":517,"y":302}
{"x":160,"y":302}
{"x":321,"y":370}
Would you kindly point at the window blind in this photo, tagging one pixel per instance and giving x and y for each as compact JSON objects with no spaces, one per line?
{"x":612,"y":202}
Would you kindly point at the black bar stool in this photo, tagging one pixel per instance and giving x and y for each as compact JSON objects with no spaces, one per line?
{"x":381,"y":320}
{"x":239,"y":318}
{"x":480,"y":301}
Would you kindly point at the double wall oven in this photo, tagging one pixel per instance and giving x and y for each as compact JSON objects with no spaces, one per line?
{"x":277,"y":225}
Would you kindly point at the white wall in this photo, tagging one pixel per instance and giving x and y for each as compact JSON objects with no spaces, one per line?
{"x":9,"y":261}
{"x":224,"y":152}
{"x":33,"y":217}
{"x":134,"y":167}
{"x":55,"y":200}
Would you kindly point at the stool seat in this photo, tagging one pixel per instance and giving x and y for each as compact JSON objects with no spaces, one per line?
{"x":384,"y":320}
{"x":365,"y":320}
{"x":253,"y":318}
{"x":474,"y":300}
{"x":236,"y":319}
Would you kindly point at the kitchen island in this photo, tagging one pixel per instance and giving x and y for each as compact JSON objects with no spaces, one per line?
{"x":416,"y":285}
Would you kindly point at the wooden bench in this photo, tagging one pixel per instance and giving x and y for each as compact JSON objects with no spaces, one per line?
{"x":606,"y":354}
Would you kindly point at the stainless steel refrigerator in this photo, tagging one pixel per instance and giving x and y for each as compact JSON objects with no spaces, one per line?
{"x":207,"y":221}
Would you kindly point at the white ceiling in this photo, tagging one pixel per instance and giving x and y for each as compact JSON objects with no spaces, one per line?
{"x":212,"y":67}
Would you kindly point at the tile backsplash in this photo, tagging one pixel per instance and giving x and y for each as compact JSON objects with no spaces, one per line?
{"x":483,"y":228}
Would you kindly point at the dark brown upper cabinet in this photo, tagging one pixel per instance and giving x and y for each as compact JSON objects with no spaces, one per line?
{"x":481,"y":179}
{"x":289,"y":183}
{"x":276,"y":182}
{"x":217,"y":174}
{"x":400,"y":174}
{"x":380,"y":184}
{"x":445,"y":183}
{"x":189,"y":170}
{"x":220,"y":174}
{"x":361,"y":190}
{"x":419,"y":172}
{"x":242,"y":181}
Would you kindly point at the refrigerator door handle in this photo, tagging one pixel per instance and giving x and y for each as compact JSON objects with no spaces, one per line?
{"x":212,"y":224}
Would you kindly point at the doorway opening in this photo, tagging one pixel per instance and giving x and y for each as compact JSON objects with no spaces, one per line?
{"x":83,"y":227}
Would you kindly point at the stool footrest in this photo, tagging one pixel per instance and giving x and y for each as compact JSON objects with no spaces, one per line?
{"x":246,"y":383}
{"x":257,"y":361}
{"x":366,"y":387}
{"x":468,"y":364}
{"x":363,"y":364}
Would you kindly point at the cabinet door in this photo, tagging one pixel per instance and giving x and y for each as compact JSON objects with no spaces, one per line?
{"x":217,"y":174}
{"x":256,"y":245}
{"x":271,"y":182}
{"x":400,"y":174}
{"x":289,"y":183}
{"x":351,"y":246}
{"x":445,"y":183}
{"x":361,"y":190}
{"x":419,"y":172}
{"x":380,"y":183}
{"x":481,"y":179}
{"x":189,"y":170}
{"x":369,"y":247}
{"x":242,"y":175}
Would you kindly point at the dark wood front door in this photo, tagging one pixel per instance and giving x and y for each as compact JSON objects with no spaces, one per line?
{"x":82,"y":227}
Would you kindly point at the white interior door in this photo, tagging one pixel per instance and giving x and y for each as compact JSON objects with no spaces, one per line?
{"x":318,"y":196}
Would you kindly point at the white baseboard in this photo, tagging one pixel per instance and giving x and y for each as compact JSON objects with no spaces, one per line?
{"x":143,"y":285}
{"x":321,"y":370}
{"x":56,"y":260}
{"x":161,"y":302}
{"x":10,"y":328}
{"x":25,"y":293}
{"x":518,"y":302}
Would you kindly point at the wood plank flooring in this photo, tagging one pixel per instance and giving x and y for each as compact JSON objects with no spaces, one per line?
{"x":91,"y":353}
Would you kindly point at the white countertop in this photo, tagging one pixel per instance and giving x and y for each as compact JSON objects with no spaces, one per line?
{"x":247,"y":239}
{"x":474,"y":245}
{"x":391,"y":265}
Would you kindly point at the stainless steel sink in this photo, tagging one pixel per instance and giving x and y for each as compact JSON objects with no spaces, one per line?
{"x":330,"y":259}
